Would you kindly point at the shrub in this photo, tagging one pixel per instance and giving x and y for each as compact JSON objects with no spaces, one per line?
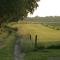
{"x":57,"y":29}
{"x":54,"y":47}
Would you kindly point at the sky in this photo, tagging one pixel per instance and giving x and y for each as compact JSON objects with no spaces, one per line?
{"x":47,"y":8}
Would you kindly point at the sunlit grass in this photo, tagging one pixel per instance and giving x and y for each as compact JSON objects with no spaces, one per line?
{"x":46,"y":37}
{"x":43,"y":33}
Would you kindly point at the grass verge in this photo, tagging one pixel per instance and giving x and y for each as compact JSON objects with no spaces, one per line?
{"x":7,"y":52}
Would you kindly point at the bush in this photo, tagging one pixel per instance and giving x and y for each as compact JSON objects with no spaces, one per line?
{"x":54,"y":47}
{"x":57,"y":29}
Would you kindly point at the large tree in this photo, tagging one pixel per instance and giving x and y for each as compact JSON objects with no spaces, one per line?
{"x":16,"y":9}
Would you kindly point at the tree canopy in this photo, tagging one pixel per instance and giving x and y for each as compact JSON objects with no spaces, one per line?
{"x":16,"y":9}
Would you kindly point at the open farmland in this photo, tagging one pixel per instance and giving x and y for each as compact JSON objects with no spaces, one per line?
{"x":46,"y":36}
{"x":43,"y":33}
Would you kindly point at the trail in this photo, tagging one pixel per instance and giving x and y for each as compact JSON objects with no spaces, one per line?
{"x":18,"y":55}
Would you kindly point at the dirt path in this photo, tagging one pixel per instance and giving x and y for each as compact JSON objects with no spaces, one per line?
{"x":18,"y":55}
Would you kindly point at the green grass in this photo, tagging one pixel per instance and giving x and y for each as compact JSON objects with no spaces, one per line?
{"x":41,"y":55}
{"x":46,"y":37}
{"x":7,"y":52}
{"x":44,"y":34}
{"x":27,"y":45}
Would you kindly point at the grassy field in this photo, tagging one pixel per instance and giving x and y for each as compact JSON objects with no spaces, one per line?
{"x":7,"y":43}
{"x":41,"y":55}
{"x":46,"y":36}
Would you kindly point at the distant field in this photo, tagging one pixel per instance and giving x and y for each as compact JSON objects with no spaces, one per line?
{"x":43,"y":33}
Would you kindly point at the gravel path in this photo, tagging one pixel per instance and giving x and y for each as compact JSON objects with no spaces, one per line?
{"x":18,"y":55}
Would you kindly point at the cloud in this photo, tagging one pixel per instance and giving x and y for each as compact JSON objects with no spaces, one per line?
{"x":47,"y":8}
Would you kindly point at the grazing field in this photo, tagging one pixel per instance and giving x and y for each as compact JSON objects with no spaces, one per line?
{"x":44,"y":34}
{"x":51,"y":22}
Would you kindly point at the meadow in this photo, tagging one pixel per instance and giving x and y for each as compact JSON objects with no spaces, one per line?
{"x":45,"y":37}
{"x":44,"y":33}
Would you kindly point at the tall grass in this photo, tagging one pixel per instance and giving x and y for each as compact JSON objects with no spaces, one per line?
{"x":7,"y":52}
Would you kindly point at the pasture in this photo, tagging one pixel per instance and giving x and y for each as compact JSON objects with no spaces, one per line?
{"x":44,"y":33}
{"x":45,"y":37}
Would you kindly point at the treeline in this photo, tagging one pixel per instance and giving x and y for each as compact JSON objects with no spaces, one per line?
{"x":44,"y":19}
{"x":51,"y":21}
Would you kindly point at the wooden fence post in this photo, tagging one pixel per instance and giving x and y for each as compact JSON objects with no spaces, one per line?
{"x":35,"y":41}
{"x":30,"y":36}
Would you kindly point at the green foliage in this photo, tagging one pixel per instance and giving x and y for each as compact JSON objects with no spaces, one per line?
{"x":12,"y":10}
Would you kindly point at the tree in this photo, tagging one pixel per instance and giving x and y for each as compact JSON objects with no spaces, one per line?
{"x":13,"y":10}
